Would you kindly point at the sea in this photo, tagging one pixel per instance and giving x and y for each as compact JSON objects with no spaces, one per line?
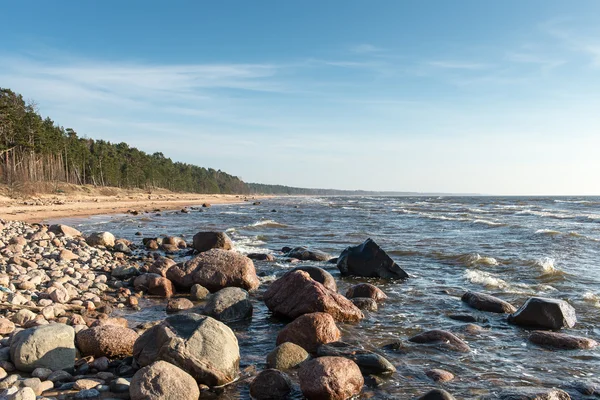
{"x":509,"y":247}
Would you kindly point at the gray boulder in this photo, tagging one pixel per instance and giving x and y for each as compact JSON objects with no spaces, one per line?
{"x":305,"y":254}
{"x":271,"y":384}
{"x":163,"y":381}
{"x":229,"y":304}
{"x":543,"y":313}
{"x":369,"y":260}
{"x":46,"y":346}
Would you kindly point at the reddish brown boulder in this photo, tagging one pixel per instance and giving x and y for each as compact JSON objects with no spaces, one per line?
{"x":106,"y":341}
{"x":330,"y":378}
{"x":161,"y":266}
{"x":160,"y":286}
{"x":366,"y":290}
{"x":141,"y":282}
{"x":443,"y":338}
{"x":486,"y":302}
{"x":176,"y":305}
{"x":295,"y":294}
{"x":439,"y":375}
{"x":216,"y":269}
{"x":175,"y":241}
{"x":309,"y":331}
{"x":204,"y":241}
{"x":562,"y":341}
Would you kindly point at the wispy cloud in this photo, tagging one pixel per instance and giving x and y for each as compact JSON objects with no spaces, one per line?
{"x":366,"y":48}
{"x":458,"y":65}
{"x":586,"y":43}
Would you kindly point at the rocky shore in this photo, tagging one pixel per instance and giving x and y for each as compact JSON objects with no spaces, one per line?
{"x":61,"y":337}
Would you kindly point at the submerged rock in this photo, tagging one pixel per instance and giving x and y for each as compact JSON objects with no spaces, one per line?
{"x":304,"y":254}
{"x":229,"y":304}
{"x":439,"y":375}
{"x":366,"y":290}
{"x":529,"y":394}
{"x":368,"y":361}
{"x":485,"y":302}
{"x":365,"y":303}
{"x":271,"y":384}
{"x":437,"y":394}
{"x":444,"y":338}
{"x":163,"y":381}
{"x":309,"y":331}
{"x":369,"y":260}
{"x":561,"y":340}
{"x":543,"y":313}
{"x":332,"y":378}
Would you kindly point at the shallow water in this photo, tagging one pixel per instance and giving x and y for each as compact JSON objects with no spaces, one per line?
{"x":510,"y":247}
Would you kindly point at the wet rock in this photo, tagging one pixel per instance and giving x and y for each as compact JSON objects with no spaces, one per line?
{"x":369,"y":362}
{"x":485,"y":302}
{"x":437,"y":394}
{"x":202,"y":346}
{"x":204,"y":241}
{"x":271,"y":384}
{"x":369,"y":260}
{"x":319,"y":275}
{"x":47,"y":346}
{"x":305,"y":254}
{"x":443,"y":338}
{"x":100,"y":364}
{"x":439,"y":375}
{"x":261,"y":256}
{"x":365,"y":303}
{"x":163,"y":381}
{"x":295,"y":294}
{"x":366,"y":290}
{"x":584,"y":387}
{"x":141,"y":282}
{"x":198,"y":292}
{"x":216,"y":269}
{"x":333,"y":378}
{"x":105,"y":239}
{"x":175,"y":241}
{"x":467,"y":318}
{"x":309,"y":331}
{"x":161,"y":266}
{"x":529,"y":394}
{"x":229,"y":304}
{"x":286,"y":356}
{"x":176,"y":305}
{"x":561,"y":340}
{"x":160,"y":286}
{"x":64,"y":230}
{"x":107,"y":341}
{"x":543,"y":313}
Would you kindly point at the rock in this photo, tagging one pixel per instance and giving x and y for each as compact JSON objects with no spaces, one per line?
{"x":161,"y":266}
{"x":163,"y":381}
{"x":295,"y":294}
{"x":304,"y":254}
{"x":216,"y":269}
{"x":67,"y":255}
{"x":369,"y":260}
{"x":204,"y":241}
{"x":485,"y":302}
{"x":332,"y":378}
{"x":202,"y":346}
{"x":124,"y":272}
{"x":86,"y":384}
{"x":261,"y":256}
{"x":88,"y":394}
{"x":437,"y":394}
{"x":309,"y":331}
{"x":141,"y":283}
{"x":6,"y":326}
{"x":60,"y":377}
{"x":107,"y":341}
{"x":365,"y":303}
{"x":369,"y":363}
{"x":151,"y":244}
{"x":271,"y":384}
{"x":229,"y":304}
{"x":286,"y":356}
{"x":319,"y":275}
{"x":25,"y":393}
{"x":47,"y":346}
{"x":114,"y":321}
{"x":562,"y":340}
{"x":37,"y":385}
{"x":122,"y":247}
{"x":105,"y":239}
{"x":529,"y":394}
{"x":543,"y":313}
{"x":160,"y":286}
{"x":42,"y":373}
{"x":120,"y":385}
{"x":175,"y":241}
{"x":100,"y":363}
{"x":176,"y":305}
{"x":24,"y":316}
{"x":64,"y":230}
{"x":198,"y":292}
{"x":439,"y":375}
{"x":366,"y":290}
{"x":444,"y":338}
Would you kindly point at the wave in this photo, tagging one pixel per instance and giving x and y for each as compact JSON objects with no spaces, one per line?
{"x":468,"y":259}
{"x":267,"y":223}
{"x":488,"y":222}
{"x":592,"y":298}
{"x":572,"y":234}
{"x":546,"y":266}
{"x":575,"y":201}
{"x":485,"y":278}
{"x":548,"y":232}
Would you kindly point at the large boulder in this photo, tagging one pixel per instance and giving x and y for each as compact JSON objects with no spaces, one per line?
{"x":64,"y":230}
{"x":204,"y":241}
{"x":202,"y":346}
{"x":543,"y":313}
{"x":331,"y":378}
{"x":319,"y":275}
{"x":161,"y":266}
{"x":271,"y":384}
{"x":485,"y":302}
{"x":295,"y":294}
{"x":310,"y":331}
{"x":304,"y":254}
{"x":561,"y":340}
{"x":215,"y":269}
{"x":107,"y":341}
{"x":163,"y":381}
{"x":443,"y":338}
{"x":229,"y":304}
{"x":46,"y":346}
{"x":286,"y":356}
{"x":369,"y":362}
{"x":369,"y":260}
{"x":366,"y":290}
{"x":105,"y":239}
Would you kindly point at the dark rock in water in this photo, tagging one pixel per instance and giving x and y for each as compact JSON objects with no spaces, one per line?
{"x":304,"y":254}
{"x":176,"y":305}
{"x":204,"y":241}
{"x":485,"y":302}
{"x":467,"y":318}
{"x":310,"y":331}
{"x":437,"y":394}
{"x":296,"y":293}
{"x":333,"y":260}
{"x":229,"y":304}
{"x":364,"y":303}
{"x":445,"y":338}
{"x":271,"y":384}
{"x":583,"y":387}
{"x":543,"y":313}
{"x":366,"y":290}
{"x":439,"y":375}
{"x":369,"y":260}
{"x":286,"y":249}
{"x":261,"y":256}
{"x":319,"y":275}
{"x":561,"y":340}
{"x":368,"y":362}
{"x":529,"y":394}
{"x":333,"y":378}
{"x":287,"y":355}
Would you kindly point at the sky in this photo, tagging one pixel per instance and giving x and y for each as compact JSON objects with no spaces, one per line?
{"x":429,"y":96}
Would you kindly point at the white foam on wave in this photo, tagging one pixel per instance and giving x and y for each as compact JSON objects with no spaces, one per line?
{"x":546,"y":266}
{"x":550,"y":232}
{"x":268,"y":223}
{"x":573,"y":201}
{"x":592,"y":298}
{"x":246,"y":245}
{"x":488,"y":222}
{"x":485,"y":278}
{"x":476,"y":259}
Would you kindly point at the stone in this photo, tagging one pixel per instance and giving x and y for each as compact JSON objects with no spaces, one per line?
{"x":25,"y":393}
{"x":370,"y":363}
{"x":60,"y":377}
{"x":271,"y":384}
{"x":204,"y":241}
{"x":47,"y":346}
{"x":216,"y":269}
{"x":88,"y":394}
{"x":161,"y":266}
{"x":6,"y":326}
{"x":437,"y":394}
{"x":529,"y":393}
{"x":319,"y":275}
{"x":296,"y":293}
{"x":202,"y":346}
{"x":100,"y":363}
{"x":287,"y":356}
{"x":67,"y":255}
{"x":107,"y":341}
{"x":120,"y":385}
{"x":543,"y":313}
{"x":105,"y":239}
{"x":229,"y":304}
{"x":561,"y":341}
{"x":86,"y":384}
{"x":37,"y":385}
{"x":485,"y":302}
{"x":141,"y":283}
{"x":176,"y":305}
{"x":160,"y":286}
{"x":163,"y":381}
{"x":366,"y":290}
{"x":198,"y":292}
{"x":443,"y":338}
{"x":124,"y":272}
{"x":60,"y":294}
{"x":305,"y":254}
{"x":439,"y":375}
{"x":64,"y":230}
{"x":175,"y":241}
{"x":42,"y":373}
{"x":309,"y":331}
{"x":261,"y":256}
{"x":365,"y":303}
{"x":369,"y":260}
{"x":24,"y":316}
{"x":332,"y":378}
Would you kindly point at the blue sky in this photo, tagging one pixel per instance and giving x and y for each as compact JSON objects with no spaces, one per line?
{"x":469,"y":96}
